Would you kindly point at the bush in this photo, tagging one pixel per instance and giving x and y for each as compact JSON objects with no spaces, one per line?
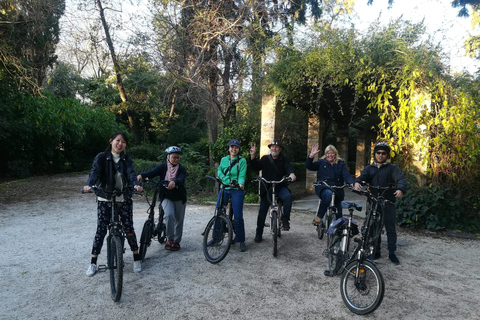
{"x":431,"y":207}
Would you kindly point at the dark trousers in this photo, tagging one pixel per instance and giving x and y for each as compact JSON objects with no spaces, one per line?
{"x":284,"y":195}
{"x":389,"y":220}
{"x":104,"y":213}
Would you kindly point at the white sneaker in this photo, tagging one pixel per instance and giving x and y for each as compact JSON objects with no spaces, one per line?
{"x":92,"y":269}
{"x":137,"y":266}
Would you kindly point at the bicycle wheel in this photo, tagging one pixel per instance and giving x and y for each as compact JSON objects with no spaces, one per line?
{"x":362,"y":294}
{"x":115,"y":265}
{"x":145,"y":238}
{"x":161,"y":230}
{"x":217,"y":238}
{"x":274,"y":224}
{"x":334,"y":256}
{"x":331,"y":216}
{"x":375,"y":230}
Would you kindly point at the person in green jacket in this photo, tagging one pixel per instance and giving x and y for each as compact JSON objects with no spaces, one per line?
{"x":234,"y":168}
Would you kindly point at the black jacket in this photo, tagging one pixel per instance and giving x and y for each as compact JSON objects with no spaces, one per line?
{"x":381,"y":177}
{"x":104,"y":169}
{"x":283,"y":165}
{"x":176,"y":194}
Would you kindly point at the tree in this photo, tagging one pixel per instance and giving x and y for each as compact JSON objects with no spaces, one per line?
{"x":29,"y":33}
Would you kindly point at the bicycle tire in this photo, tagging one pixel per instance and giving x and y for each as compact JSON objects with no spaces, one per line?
{"x":145,"y":238}
{"x":217,"y":238}
{"x":334,"y":255}
{"x":365,"y":296}
{"x":161,"y":230}
{"x":332,"y":214}
{"x":115,"y":265}
{"x":274,"y":224}
{"x":375,"y":229}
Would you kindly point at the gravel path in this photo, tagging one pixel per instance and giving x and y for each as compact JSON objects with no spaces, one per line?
{"x":47,"y":228}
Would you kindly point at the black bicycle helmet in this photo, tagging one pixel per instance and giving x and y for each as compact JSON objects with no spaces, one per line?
{"x":382,"y":146}
{"x":173,"y":149}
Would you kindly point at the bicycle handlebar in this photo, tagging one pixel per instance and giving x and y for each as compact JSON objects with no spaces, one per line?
{"x":163,"y":183}
{"x":233,"y":184}
{"x":100,"y":192}
{"x":324,"y":182}
{"x":286,"y":178}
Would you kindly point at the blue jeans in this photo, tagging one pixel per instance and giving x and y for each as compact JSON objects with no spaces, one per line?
{"x":237,"y":197}
{"x":286,"y":197}
{"x":326,"y":197}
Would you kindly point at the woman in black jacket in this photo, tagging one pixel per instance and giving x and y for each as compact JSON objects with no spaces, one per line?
{"x":173,"y":198}
{"x":114,"y":170}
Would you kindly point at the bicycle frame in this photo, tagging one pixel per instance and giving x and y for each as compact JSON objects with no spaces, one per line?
{"x":275,"y":211}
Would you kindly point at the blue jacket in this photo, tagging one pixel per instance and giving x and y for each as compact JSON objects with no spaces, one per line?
{"x":333,"y":174}
{"x":104,"y":169}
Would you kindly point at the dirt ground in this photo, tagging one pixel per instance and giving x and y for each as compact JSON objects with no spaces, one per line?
{"x":46,"y":233}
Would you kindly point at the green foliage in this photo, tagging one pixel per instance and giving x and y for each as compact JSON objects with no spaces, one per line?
{"x":47,"y":134}
{"x":63,"y":81}
{"x":430,"y":207}
{"x":147,"y":151}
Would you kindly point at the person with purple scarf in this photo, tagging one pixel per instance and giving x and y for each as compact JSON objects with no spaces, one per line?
{"x":173,"y":198}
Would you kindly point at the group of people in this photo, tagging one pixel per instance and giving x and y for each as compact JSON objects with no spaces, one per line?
{"x":114,"y":170}
{"x":333,"y":170}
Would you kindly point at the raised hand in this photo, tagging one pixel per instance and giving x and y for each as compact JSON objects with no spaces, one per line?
{"x":253,"y":150}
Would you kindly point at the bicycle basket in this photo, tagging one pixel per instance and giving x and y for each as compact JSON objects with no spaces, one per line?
{"x":338,"y":225}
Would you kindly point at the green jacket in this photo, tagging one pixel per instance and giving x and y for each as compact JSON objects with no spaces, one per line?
{"x":237,"y":172}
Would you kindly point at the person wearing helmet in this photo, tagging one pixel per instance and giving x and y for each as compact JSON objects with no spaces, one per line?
{"x":382,"y":173}
{"x":234,"y":168}
{"x":173,"y":198}
{"x":274,"y":167}
{"x":331,"y":169}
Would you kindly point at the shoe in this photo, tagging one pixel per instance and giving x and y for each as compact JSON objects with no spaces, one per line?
{"x":92,"y":269}
{"x":328,"y":273}
{"x":318,"y":220}
{"x":242,"y":247}
{"x":168,"y":245}
{"x":378,"y":255}
{"x":286,"y":225}
{"x":393,"y":258}
{"x":137,"y":266}
{"x":258,"y":238}
{"x":175,"y":246}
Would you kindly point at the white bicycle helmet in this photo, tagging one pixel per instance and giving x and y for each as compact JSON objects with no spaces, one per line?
{"x":173,"y":149}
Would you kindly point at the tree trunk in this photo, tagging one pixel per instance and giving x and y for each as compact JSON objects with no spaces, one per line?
{"x":116,"y":67}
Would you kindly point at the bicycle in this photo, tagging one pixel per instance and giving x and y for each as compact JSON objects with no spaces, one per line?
{"x":331,"y":214}
{"x":275,"y":211}
{"x":374,"y":216}
{"x":150,"y":228}
{"x":361,"y":285}
{"x":218,"y":234}
{"x":115,"y":244}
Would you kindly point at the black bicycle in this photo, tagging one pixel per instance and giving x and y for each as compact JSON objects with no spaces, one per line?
{"x":218,"y":234}
{"x":153,"y":228}
{"x":374,"y":213}
{"x":115,"y":244}
{"x":361,"y":285}
{"x":275,"y":211}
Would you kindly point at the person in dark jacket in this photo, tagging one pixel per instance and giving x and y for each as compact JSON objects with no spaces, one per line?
{"x":173,"y":198}
{"x":331,"y":169}
{"x":114,"y":170}
{"x":274,"y":167}
{"x":382,"y":173}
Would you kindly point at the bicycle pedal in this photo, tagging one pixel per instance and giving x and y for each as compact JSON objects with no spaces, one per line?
{"x":101,"y":268}
{"x":357,"y":240}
